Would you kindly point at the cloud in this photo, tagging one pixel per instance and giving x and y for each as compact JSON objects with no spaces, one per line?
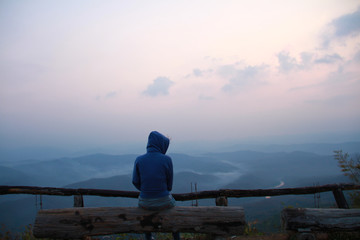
{"x":227,"y":71}
{"x":344,"y":26}
{"x":160,"y":86}
{"x":197,"y":72}
{"x":328,"y":59}
{"x":111,"y":94}
{"x":357,"y":57}
{"x":240,"y":77}
{"x":347,"y":25}
{"x":306,"y":60}
{"x":288,"y":63}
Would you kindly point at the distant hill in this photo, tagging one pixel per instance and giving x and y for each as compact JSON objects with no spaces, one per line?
{"x":10,"y":176}
{"x":232,"y":170}
{"x":120,"y":182}
{"x":63,"y":171}
{"x":9,"y":156}
{"x":182,"y":181}
{"x":318,"y":148}
{"x":281,"y":163}
{"x":200,"y":164}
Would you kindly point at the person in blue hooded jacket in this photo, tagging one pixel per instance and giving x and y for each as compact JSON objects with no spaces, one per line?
{"x":153,"y":176}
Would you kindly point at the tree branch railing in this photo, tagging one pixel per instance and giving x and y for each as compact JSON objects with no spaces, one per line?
{"x":232,"y":193}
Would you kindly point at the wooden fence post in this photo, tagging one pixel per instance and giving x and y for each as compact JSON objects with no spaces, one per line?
{"x":340,"y":198}
{"x":78,"y":200}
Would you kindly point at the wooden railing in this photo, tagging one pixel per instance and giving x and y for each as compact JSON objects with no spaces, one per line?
{"x":337,"y":190}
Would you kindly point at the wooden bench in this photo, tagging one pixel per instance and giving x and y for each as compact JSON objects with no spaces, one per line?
{"x":312,"y":220}
{"x":76,"y":223}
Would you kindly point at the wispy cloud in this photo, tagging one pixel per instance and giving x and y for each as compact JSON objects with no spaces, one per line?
{"x":288,"y":63}
{"x":344,"y":26}
{"x":357,"y":57}
{"x":328,"y":59}
{"x":111,"y":94}
{"x":347,"y":25}
{"x":336,"y":81}
{"x":160,"y":86}
{"x":240,"y":77}
{"x":197,"y":72}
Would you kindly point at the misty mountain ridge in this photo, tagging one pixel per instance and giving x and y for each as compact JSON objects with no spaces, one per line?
{"x":318,"y":148}
{"x":211,"y":171}
{"x":10,"y":156}
{"x":102,"y":165}
{"x":224,"y":167}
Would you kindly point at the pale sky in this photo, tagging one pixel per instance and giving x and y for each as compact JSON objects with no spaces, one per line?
{"x":108,"y":72}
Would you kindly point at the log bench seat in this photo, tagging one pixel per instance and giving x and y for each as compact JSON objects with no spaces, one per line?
{"x":77,"y":223}
{"x":308,"y":223}
{"x":321,"y":219}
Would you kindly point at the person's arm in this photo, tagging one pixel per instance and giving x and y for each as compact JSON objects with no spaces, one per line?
{"x":170,"y":176}
{"x":136,"y":177}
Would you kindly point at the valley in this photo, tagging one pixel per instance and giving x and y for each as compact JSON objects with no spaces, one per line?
{"x":210,"y":171}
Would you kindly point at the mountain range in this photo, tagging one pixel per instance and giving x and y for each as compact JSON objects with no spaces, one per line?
{"x":210,"y":171}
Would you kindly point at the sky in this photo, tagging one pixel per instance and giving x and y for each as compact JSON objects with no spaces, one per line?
{"x":90,"y":73}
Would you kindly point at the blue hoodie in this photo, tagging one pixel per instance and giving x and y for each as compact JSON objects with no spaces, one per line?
{"x":153,"y":171}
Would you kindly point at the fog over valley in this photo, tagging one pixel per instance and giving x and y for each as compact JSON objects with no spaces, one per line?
{"x":209,"y":171}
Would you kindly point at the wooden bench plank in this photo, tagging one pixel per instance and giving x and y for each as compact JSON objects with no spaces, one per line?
{"x":321,"y":219}
{"x":74,"y":223}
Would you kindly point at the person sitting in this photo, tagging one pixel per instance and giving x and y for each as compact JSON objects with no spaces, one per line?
{"x":153,"y":177}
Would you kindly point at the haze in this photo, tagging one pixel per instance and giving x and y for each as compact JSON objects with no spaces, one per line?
{"x":94,"y":73}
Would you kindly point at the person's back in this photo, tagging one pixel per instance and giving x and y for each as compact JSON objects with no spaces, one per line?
{"x":153,"y":176}
{"x":153,"y":171}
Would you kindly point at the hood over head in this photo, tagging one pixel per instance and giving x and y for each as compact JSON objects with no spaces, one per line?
{"x":157,"y":142}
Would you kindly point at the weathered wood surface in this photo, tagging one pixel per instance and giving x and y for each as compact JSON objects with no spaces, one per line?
{"x":236,"y":193}
{"x":321,"y":219}
{"x":73,"y":223}
{"x":66,"y":191}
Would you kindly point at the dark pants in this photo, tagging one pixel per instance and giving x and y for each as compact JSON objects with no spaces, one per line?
{"x":156,"y":205}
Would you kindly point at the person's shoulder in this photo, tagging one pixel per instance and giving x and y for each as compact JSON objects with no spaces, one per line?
{"x":162,"y":156}
{"x":167,"y":157}
{"x":141,"y":157}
